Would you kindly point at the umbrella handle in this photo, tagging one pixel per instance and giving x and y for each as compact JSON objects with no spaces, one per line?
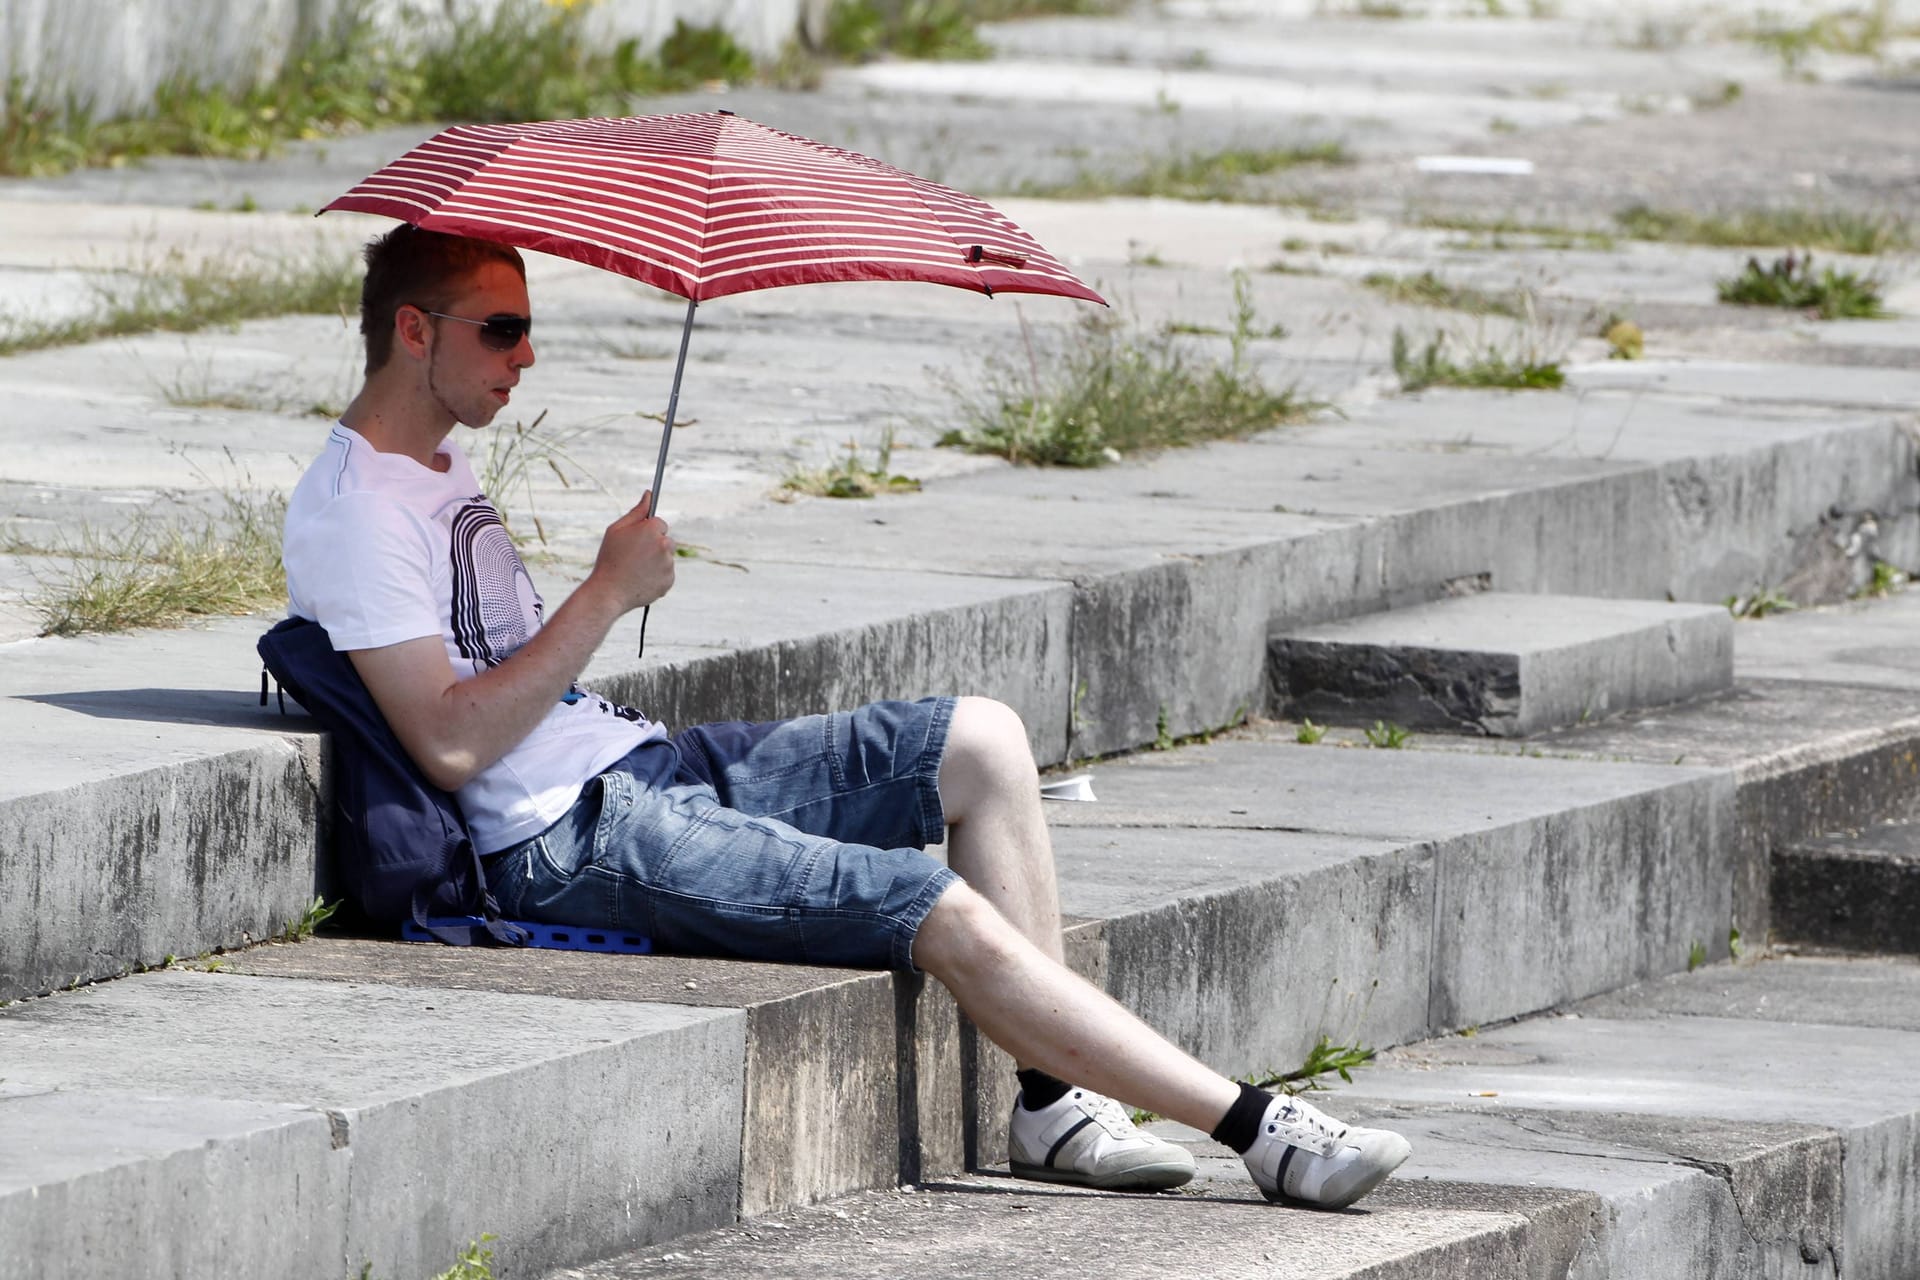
{"x":666,"y":439}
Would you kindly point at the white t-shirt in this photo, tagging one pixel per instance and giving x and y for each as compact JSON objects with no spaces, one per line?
{"x":380,"y":549}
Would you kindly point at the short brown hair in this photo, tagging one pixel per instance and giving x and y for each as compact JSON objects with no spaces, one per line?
{"x":422,"y":268}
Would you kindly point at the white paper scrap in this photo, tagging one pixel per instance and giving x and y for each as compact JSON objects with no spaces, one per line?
{"x":1505,"y":166}
{"x":1078,"y":787}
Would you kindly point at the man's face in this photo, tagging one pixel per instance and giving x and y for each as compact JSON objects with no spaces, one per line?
{"x":469,"y":378}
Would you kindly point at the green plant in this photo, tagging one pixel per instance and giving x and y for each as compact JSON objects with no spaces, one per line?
{"x":1429,"y":290}
{"x":518,"y":60}
{"x":475,"y":1262}
{"x":851,"y":477}
{"x":858,"y":30}
{"x":1840,"y":230}
{"x":1387,"y":735}
{"x":1696,"y":955}
{"x":1759,"y":603}
{"x":1162,"y":736}
{"x":1309,"y":733}
{"x":1431,"y":366}
{"x":1324,"y":1057}
{"x":317,"y":913}
{"x":1859,"y":32}
{"x":1885,"y":581}
{"x":1790,"y":281}
{"x":1116,"y":390}
{"x":1734,"y":946}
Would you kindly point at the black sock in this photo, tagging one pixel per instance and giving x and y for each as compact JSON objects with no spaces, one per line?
{"x":1241,"y":1125}
{"x":1038,"y":1089}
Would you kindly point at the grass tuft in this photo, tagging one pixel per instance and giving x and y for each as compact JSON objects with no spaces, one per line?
{"x":1839,"y":230}
{"x":1488,"y":366}
{"x":1429,"y":290}
{"x":1790,"y":281}
{"x":1759,"y":603}
{"x":1116,"y":390}
{"x":1211,"y":175}
{"x":153,"y":573}
{"x":851,"y":476}
{"x":180,"y":294}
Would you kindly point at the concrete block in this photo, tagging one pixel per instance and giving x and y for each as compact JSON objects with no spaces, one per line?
{"x":124,"y":1183}
{"x":1859,"y":892}
{"x":569,"y":1129}
{"x":852,"y":1079}
{"x":1501,"y":664}
{"x":107,"y":874}
{"x":1675,"y":1072}
{"x":1547,"y":879}
{"x":1243,"y":946}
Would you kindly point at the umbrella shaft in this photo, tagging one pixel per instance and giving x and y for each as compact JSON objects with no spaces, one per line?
{"x":666,"y":439}
{"x":673,"y":405}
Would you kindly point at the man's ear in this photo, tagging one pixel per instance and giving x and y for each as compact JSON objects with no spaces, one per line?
{"x":411,"y":327}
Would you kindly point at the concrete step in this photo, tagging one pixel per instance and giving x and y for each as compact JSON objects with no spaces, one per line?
{"x":1501,"y":664}
{"x":1244,"y":895}
{"x":1858,"y":891}
{"x":211,"y":1125}
{"x":1701,"y":1126}
{"x":154,"y":814}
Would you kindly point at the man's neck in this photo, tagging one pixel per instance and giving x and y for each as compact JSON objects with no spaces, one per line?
{"x":396,"y":423}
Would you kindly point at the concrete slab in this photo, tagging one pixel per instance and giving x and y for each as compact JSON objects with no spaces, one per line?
{"x":1501,"y":664}
{"x":569,"y":1128}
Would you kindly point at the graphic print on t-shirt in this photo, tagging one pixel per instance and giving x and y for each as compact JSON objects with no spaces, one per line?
{"x":495,"y":608}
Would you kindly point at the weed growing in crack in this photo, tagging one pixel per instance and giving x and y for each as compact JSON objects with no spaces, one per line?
{"x":1486,"y":365}
{"x":1790,"y":281}
{"x":851,"y":476}
{"x":1115,"y":390}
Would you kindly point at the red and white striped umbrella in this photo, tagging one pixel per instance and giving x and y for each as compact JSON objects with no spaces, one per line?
{"x":705,"y":205}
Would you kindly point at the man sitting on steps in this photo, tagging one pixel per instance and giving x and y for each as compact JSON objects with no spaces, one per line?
{"x":801,"y":841}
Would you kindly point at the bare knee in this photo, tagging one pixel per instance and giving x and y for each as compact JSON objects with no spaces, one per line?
{"x":986,"y":754}
{"x":963,"y":938}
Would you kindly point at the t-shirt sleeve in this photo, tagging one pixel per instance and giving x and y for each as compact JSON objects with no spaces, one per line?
{"x":362,"y":567}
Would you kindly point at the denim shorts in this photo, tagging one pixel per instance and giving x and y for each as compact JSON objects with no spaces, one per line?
{"x":798,"y":840}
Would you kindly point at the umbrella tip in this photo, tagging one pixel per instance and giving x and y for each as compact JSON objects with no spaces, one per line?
{"x":721,"y":111}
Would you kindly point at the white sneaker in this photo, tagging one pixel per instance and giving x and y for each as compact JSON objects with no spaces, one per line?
{"x":1303,"y":1156}
{"x":1090,"y":1141}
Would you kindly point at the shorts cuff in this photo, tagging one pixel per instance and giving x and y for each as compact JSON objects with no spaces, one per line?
{"x":916,"y":914}
{"x":933,"y":815}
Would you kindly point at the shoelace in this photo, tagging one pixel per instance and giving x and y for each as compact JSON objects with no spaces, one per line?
{"x":1109,"y":1115}
{"x":1299,"y":1115}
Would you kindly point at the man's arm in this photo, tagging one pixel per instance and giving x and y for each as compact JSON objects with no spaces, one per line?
{"x":455,"y":728}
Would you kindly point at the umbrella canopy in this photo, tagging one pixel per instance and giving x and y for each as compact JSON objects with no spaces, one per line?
{"x":705,"y":205}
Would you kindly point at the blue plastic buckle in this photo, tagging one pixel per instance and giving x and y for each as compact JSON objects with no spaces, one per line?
{"x":553,"y":937}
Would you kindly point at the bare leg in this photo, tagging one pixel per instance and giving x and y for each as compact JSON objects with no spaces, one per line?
{"x":996,"y":836}
{"x":1047,"y":1016}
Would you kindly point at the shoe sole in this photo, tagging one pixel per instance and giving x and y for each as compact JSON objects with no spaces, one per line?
{"x":1146,"y":1177}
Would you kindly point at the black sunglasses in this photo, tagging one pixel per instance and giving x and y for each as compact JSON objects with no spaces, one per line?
{"x":501,"y":332}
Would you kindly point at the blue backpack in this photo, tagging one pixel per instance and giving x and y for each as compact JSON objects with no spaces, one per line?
{"x":400,"y":843}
